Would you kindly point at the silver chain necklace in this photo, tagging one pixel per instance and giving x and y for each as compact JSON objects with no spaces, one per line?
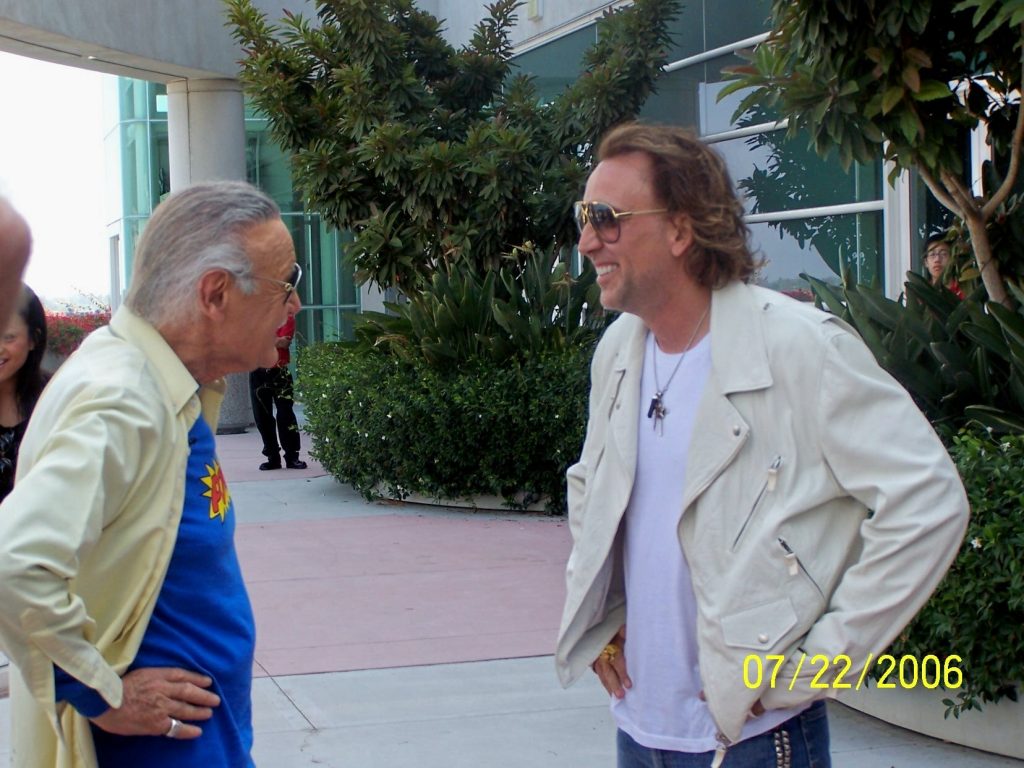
{"x":657,"y":409}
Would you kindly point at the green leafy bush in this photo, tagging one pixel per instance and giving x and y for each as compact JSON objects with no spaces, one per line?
{"x":508,"y":428}
{"x":962,"y":361}
{"x":529,"y":305}
{"x":977,"y":612}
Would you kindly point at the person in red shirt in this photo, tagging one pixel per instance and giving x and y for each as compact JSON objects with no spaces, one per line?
{"x":271,"y":389}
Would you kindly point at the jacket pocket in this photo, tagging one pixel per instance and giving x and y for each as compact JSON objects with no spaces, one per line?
{"x":767,"y":488}
{"x":796,"y":567}
{"x":760,"y":627}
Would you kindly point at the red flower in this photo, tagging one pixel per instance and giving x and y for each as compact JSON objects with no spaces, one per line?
{"x":65,"y":330}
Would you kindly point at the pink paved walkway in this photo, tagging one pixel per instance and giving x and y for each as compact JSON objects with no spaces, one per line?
{"x":381,"y":589}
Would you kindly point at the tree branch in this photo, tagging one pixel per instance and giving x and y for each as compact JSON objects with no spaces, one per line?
{"x":961,"y":195}
{"x":1015,"y":149}
{"x":939,"y":191}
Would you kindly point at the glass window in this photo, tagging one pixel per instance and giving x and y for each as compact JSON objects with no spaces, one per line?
{"x":327,"y":279}
{"x":689,"y":97}
{"x":557,"y":64}
{"x":704,"y":25}
{"x":676,"y":100}
{"x":135,"y":169}
{"x":773,"y":173}
{"x":133,"y":99}
{"x":316,"y":324}
{"x":823,"y":247}
{"x":160,"y":162}
{"x":727,"y":21}
{"x":132,"y":231}
{"x":323,"y":269}
{"x":268,"y":166}
{"x":687,"y":31}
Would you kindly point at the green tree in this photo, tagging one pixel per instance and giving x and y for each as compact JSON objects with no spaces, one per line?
{"x":437,"y":158}
{"x":903,"y":77}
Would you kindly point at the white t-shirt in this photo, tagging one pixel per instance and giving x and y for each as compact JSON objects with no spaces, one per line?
{"x":663,"y":709}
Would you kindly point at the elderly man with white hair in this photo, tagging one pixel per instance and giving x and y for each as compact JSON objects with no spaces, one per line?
{"x":122,"y":603}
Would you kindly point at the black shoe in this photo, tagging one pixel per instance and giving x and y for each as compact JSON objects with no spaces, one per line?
{"x":294,"y":464}
{"x":271,"y":465}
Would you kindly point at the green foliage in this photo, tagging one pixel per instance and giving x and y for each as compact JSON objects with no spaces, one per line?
{"x":961,"y":361}
{"x":905,"y":78}
{"x":508,"y":428}
{"x":435,"y":157}
{"x":977,"y":612}
{"x":865,"y":75}
{"x":1004,"y":233}
{"x":457,"y":184}
{"x":529,"y":305}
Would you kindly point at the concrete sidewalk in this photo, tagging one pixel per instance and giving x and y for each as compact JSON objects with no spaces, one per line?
{"x":430,"y":630}
{"x":403,"y":636}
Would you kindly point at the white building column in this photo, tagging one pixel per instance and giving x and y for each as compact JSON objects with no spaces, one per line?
{"x":206,"y":131}
{"x":206,"y":141}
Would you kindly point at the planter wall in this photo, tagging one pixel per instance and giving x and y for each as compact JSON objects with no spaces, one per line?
{"x":483,"y":503}
{"x":996,"y":728}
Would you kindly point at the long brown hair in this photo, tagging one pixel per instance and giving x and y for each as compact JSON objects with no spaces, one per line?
{"x":690,"y":178}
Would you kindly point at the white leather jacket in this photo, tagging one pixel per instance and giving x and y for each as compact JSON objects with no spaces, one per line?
{"x":820,"y":509}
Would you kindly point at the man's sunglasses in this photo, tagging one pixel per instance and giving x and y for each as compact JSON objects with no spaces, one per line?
{"x":604,"y":219}
{"x":288,"y":286}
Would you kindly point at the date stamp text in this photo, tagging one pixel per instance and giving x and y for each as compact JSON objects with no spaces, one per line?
{"x":833,"y":672}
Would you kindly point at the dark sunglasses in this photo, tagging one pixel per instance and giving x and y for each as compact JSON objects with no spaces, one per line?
{"x":604,"y":219}
{"x":288,"y":286}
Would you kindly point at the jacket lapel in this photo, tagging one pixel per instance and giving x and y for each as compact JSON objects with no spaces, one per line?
{"x":739,"y":363}
{"x":622,"y":413}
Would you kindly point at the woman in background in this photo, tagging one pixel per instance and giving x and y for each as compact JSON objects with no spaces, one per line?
{"x":21,"y":379}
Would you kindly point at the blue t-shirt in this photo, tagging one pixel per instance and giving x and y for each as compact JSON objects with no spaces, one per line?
{"x":202,"y":622}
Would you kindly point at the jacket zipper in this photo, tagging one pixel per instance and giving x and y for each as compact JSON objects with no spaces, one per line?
{"x":795,"y":566}
{"x":720,"y":750}
{"x":768,"y":487}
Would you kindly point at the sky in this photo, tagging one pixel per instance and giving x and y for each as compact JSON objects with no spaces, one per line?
{"x":52,"y":171}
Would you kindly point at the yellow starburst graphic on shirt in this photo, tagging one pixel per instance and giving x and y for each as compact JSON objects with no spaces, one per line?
{"x":218,"y":494}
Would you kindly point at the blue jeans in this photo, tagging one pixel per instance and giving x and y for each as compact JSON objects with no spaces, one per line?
{"x":803,"y":738}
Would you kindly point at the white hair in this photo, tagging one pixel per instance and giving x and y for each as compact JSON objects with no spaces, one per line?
{"x":191,"y":232}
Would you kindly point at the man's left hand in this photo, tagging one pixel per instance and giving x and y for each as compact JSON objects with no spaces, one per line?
{"x":156,"y":696}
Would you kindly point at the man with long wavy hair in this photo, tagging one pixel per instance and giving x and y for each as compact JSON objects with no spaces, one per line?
{"x":753,"y":489}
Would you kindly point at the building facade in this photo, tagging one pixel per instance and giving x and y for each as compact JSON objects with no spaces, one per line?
{"x":806,"y":215}
{"x":182,"y":118}
{"x":139,"y":177}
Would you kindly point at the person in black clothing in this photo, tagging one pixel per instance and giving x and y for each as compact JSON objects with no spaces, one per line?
{"x":21,"y":379}
{"x":271,"y":388}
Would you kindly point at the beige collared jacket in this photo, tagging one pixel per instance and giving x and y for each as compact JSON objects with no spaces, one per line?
{"x":820,"y":509}
{"x":87,"y":533}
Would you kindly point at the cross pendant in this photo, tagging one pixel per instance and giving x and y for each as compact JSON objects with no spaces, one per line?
{"x":657,"y":410}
